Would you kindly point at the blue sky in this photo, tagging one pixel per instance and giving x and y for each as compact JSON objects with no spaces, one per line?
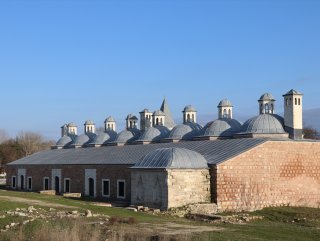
{"x":63,"y":61}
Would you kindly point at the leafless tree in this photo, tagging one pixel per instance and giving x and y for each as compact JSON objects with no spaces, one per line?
{"x":3,"y":136}
{"x":311,"y":133}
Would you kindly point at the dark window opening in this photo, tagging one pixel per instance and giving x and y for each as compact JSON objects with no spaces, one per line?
{"x":121,"y":189}
{"x":13,"y":182}
{"x":57,"y":184}
{"x":106,"y":188}
{"x":29,"y":183}
{"x":67,"y":185}
{"x":91,"y":187}
{"x":46,"y":184}
{"x":22,"y":182}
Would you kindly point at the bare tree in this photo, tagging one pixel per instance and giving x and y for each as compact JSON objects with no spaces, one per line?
{"x":31,"y":142}
{"x":310,"y":133}
{"x":3,"y":136}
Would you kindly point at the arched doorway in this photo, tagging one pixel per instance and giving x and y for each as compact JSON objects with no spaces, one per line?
{"x":57,"y":184}
{"x":91,"y":187}
{"x":22,"y":182}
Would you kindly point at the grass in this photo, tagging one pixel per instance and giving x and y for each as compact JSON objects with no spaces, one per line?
{"x":281,"y":223}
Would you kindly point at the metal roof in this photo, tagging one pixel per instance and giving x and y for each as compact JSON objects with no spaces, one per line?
{"x":266,"y":96}
{"x":154,"y":133}
{"x":293,"y":92}
{"x":225,"y":103}
{"x":223,"y":127}
{"x":185,"y":131}
{"x":213,"y":151}
{"x":263,"y":124}
{"x":172,"y":158}
{"x":169,"y":122}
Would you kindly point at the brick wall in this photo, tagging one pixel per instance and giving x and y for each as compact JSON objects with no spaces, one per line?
{"x":76,"y":173}
{"x":274,"y":173}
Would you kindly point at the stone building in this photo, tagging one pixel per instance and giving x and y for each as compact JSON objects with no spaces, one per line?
{"x":263,"y":162}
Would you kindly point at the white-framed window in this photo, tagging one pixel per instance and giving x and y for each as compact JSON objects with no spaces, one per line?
{"x":121,"y":189}
{"x":67,"y":185}
{"x":29,"y":183}
{"x":14,"y":182}
{"x":105,"y":187}
{"x":46,"y":183}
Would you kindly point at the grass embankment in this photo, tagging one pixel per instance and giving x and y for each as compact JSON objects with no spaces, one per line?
{"x":285,"y":223}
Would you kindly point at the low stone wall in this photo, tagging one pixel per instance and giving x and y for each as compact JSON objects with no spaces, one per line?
{"x":273,"y":174}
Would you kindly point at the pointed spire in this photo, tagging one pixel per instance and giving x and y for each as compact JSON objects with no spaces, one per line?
{"x":169,"y":122}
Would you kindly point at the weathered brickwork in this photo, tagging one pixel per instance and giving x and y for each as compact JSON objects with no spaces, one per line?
{"x":274,"y":173}
{"x":76,"y":173}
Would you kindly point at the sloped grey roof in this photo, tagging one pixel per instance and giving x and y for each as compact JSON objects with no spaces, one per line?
{"x":213,"y":151}
{"x":154,"y":134}
{"x":64,"y":141}
{"x":225,"y":103}
{"x":263,"y":124}
{"x":185,"y":131}
{"x":224,"y":127}
{"x":72,"y":124}
{"x":189,"y":108}
{"x":293,"y":92}
{"x":172,"y":158}
{"x":169,"y":122}
{"x":266,"y":96}
{"x":131,"y":117}
{"x":158,"y":113}
{"x":145,"y":111}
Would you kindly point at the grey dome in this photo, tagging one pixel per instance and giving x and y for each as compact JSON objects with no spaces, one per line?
{"x":127,"y":136}
{"x":109,"y":119}
{"x":81,"y":140}
{"x":155,"y":133}
{"x":185,"y":131}
{"x":225,"y":103}
{"x":72,"y":124}
{"x":89,"y":122}
{"x":172,"y":158}
{"x":189,"y":108}
{"x":264,"y":124}
{"x":158,"y":113}
{"x":131,"y":117}
{"x":64,"y":141}
{"x":104,"y":137}
{"x":224,"y":127}
{"x":145,"y":111}
{"x":266,"y":96}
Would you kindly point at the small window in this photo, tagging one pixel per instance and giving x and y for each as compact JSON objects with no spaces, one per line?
{"x":299,"y":101}
{"x":121,"y":186}
{"x":29,"y":183}
{"x":46,"y":183}
{"x":13,"y":182}
{"x":295,"y":101}
{"x":105,"y":187}
{"x":67,"y":185}
{"x":224,"y":113}
{"x":266,"y":108}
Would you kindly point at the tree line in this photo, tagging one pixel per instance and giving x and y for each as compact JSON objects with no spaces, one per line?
{"x":24,"y":144}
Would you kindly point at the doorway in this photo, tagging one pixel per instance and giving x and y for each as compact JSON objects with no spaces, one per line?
{"x":57,"y":184}
{"x":91,"y":187}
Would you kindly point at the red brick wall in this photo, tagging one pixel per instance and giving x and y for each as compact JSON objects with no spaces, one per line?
{"x":76,"y":174}
{"x":274,"y":173}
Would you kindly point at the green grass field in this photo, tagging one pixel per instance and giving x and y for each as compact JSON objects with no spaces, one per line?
{"x":283,"y":223}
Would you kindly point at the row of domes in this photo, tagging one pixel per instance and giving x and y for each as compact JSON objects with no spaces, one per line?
{"x":220,"y":128}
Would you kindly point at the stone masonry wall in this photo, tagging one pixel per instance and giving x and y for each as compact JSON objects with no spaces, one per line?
{"x":76,"y":173}
{"x":187,"y":186}
{"x":149,"y":188}
{"x":272,"y":174}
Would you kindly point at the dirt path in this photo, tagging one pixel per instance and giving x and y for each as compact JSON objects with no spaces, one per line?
{"x":33,"y":202}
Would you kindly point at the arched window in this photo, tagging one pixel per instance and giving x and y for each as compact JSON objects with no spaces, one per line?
{"x":295,"y":101}
{"x":272,"y":109}
{"x":224,"y":113}
{"x":299,"y":101}
{"x":157,"y":121}
{"x":188,"y":118}
{"x":229,"y":113}
{"x":266,"y":108}
{"x":261,"y":108}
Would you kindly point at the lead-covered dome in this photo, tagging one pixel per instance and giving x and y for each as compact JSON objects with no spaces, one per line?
{"x":189,"y":108}
{"x":225,"y":103}
{"x":224,"y":127}
{"x":185,"y":131}
{"x":154,"y":134}
{"x":172,"y":158}
{"x":127,"y":136}
{"x":266,"y":97}
{"x":64,"y":141}
{"x":105,"y":137}
{"x":264,"y":124}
